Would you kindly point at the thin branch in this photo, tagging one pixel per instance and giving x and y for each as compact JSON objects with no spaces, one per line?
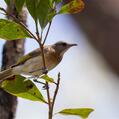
{"x":37,"y":33}
{"x":55,"y":93}
{"x":41,"y":34}
{"x":45,"y":72}
{"x":44,"y":67}
{"x":48,"y":96}
{"x":56,"y":90}
{"x":35,"y":80}
{"x":47,"y":32}
{"x":41,"y":46}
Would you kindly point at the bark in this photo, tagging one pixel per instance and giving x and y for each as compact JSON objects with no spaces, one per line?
{"x":100,"y":22}
{"x":12,"y":50}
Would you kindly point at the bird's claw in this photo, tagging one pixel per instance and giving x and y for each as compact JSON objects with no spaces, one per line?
{"x":44,"y":70}
{"x":45,"y":87}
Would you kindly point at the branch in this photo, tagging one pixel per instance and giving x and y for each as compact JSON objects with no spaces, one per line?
{"x":45,"y":71}
{"x":55,"y":93}
{"x":47,"y":32}
{"x":49,"y":101}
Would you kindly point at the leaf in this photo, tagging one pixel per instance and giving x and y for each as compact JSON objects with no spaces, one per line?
{"x":7,"y":2}
{"x":51,"y":2}
{"x":19,"y":4}
{"x":72,"y":7}
{"x":10,"y":30}
{"x":39,"y":10}
{"x":51,"y":15}
{"x":24,"y":88}
{"x":42,"y":12}
{"x":47,"y":78}
{"x":82,"y":112}
{"x":32,"y":8}
{"x":58,"y":1}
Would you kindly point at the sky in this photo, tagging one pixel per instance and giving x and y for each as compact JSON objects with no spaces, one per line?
{"x":86,"y":79}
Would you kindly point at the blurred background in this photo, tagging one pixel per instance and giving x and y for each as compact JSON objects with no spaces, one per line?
{"x":89,"y":72}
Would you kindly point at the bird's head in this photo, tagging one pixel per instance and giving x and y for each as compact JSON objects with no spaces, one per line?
{"x":61,"y":47}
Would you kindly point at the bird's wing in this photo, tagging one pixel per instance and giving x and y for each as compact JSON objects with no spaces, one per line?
{"x":30,"y":55}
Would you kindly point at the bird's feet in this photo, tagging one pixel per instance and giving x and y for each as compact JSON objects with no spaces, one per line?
{"x":44,"y":70}
{"x":45,"y":86}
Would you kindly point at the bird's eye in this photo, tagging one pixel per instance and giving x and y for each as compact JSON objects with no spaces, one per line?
{"x":64,"y":44}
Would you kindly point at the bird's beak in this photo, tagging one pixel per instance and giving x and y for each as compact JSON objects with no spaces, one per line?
{"x":70,"y":45}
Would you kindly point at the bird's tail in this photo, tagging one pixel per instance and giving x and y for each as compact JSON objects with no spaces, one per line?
{"x":6,"y":74}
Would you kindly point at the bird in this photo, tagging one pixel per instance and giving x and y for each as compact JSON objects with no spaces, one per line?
{"x":32,"y":63}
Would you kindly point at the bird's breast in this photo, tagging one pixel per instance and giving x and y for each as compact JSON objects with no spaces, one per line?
{"x":34,"y":65}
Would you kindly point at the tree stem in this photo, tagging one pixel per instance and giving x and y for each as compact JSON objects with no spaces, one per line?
{"x":45,"y":72}
{"x":55,"y":94}
{"x":47,"y":33}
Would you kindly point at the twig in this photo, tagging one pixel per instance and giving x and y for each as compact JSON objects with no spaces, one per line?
{"x":41,"y":34}
{"x":41,"y":46}
{"x":47,"y":32}
{"x":37,"y":33}
{"x":56,"y":90}
{"x":47,"y":85}
{"x":44,"y":65}
{"x":35,"y":80}
{"x":55,"y":93}
{"x":49,"y":101}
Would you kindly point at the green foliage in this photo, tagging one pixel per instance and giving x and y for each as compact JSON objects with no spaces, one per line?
{"x":51,"y":3}
{"x":24,"y":88}
{"x":39,"y":10}
{"x":51,"y":15}
{"x":54,"y":1}
{"x":82,"y":112}
{"x":19,"y":4}
{"x":32,"y":8}
{"x":10,"y":30}
{"x":7,"y":2}
{"x":47,"y":78}
{"x":42,"y":12}
{"x":58,"y":1}
{"x":72,"y":7}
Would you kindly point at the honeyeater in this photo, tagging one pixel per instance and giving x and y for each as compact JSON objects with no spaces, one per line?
{"x":32,"y":63}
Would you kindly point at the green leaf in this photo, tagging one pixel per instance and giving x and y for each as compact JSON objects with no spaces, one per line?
{"x":42,"y":12}
{"x":10,"y":30}
{"x":51,"y":2}
{"x":82,"y":112}
{"x":32,"y":8}
{"x":47,"y":78}
{"x":39,"y":10}
{"x":7,"y":2}
{"x":19,"y":4}
{"x":24,"y":88}
{"x":58,"y":1}
{"x":72,"y":7}
{"x":51,"y":15}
